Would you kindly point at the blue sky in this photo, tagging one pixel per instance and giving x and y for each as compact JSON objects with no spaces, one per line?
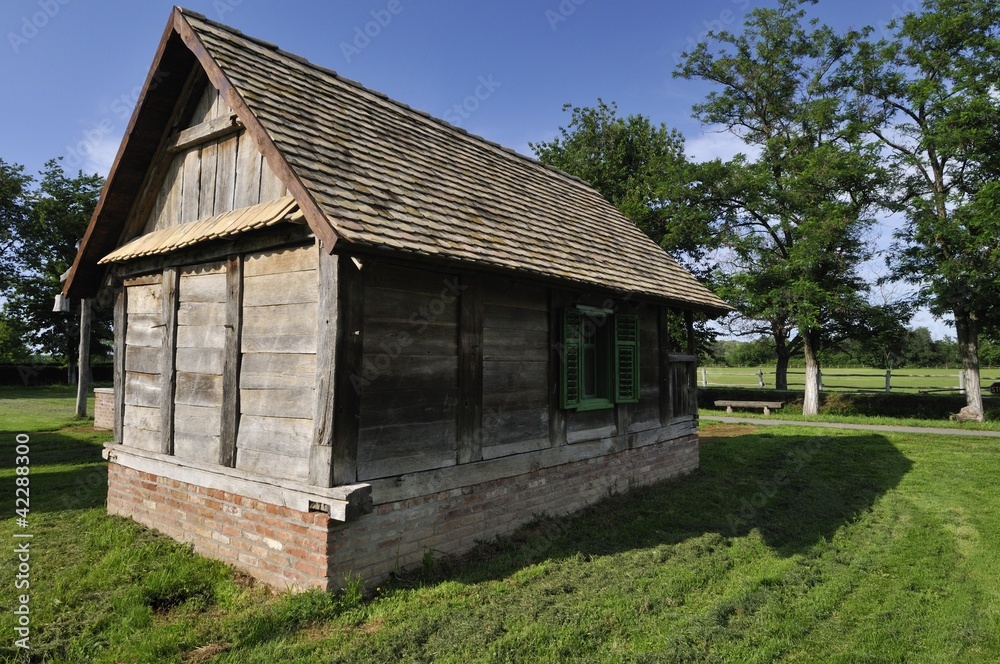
{"x":503,"y":69}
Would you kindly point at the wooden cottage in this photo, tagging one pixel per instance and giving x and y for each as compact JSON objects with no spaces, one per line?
{"x":347,"y":333}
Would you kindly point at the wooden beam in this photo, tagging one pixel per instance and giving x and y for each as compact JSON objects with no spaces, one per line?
{"x":663,"y":334}
{"x":558,"y":300}
{"x":83,"y":359}
{"x":231,"y":362}
{"x":203,"y":133}
{"x":347,"y":395}
{"x":321,"y":451}
{"x":470,"y":371}
{"x":168,"y":377}
{"x":120,"y":323}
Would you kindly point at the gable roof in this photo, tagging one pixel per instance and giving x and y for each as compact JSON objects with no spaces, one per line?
{"x":371,"y":173}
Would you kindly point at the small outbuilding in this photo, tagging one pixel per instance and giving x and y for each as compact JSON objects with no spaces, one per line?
{"x":347,"y":333}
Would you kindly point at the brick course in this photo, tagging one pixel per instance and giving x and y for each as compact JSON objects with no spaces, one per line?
{"x":104,"y":408}
{"x":287,"y":548}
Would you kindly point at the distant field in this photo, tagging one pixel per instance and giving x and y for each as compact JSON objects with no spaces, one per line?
{"x":846,"y":380}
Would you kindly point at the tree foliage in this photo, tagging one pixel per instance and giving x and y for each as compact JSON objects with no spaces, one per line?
{"x":43,"y":245}
{"x":798,"y":212}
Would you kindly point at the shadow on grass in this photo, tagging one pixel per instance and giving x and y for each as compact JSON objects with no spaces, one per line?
{"x":795,"y":490}
{"x":67,"y":471}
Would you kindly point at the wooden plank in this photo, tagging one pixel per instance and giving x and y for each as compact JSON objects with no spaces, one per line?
{"x":173,"y":187}
{"x":470,"y":372}
{"x":511,"y":427}
{"x":141,"y":417}
{"x":199,"y":360}
{"x":408,"y":439}
{"x":281,"y":261}
{"x":144,"y":359}
{"x":145,"y":300}
{"x":143,"y":330}
{"x":281,"y":433}
{"x":664,"y":366}
{"x":515,"y":318}
{"x":196,"y":389}
{"x":379,"y":468}
{"x":207,"y":97}
{"x":509,"y":293}
{"x":198,"y":420}
{"x":197,"y":314}
{"x":203,"y":132}
{"x":288,"y":288}
{"x":192,"y":186}
{"x":517,"y":400}
{"x":409,"y":407}
{"x":142,"y":390}
{"x":202,"y":447}
{"x":231,"y":362}
{"x":171,"y":276}
{"x":395,"y":339}
{"x":294,"y":402}
{"x":327,"y":321}
{"x":209,"y":164}
{"x":119,"y":357}
{"x":527,"y":345}
{"x":248,"y":165}
{"x":144,"y":280}
{"x":271,"y":186}
{"x":277,"y":370}
{"x":513,"y":376}
{"x":380,"y":373}
{"x":225,"y":175}
{"x":415,"y":308}
{"x":143,"y":439}
{"x":558,"y":300}
{"x":390,"y":276}
{"x":273,"y":465}
{"x":275,"y":343}
{"x":348,"y":363}
{"x":201,"y":337}
{"x":210,"y":287}
{"x":280,"y":320}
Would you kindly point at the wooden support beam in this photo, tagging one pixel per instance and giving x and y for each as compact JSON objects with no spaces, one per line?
{"x":663,"y":335}
{"x":231,"y":362}
{"x":347,"y":391}
{"x":83,"y":359}
{"x":558,"y":300}
{"x":327,"y":333}
{"x":120,"y":324}
{"x":470,"y":371}
{"x":200,"y":134}
{"x":168,"y":377}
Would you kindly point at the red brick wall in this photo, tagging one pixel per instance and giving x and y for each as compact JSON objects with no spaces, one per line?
{"x":104,"y":408}
{"x":287,"y":548}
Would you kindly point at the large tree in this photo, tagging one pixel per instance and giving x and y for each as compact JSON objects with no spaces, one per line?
{"x":801,"y":208}
{"x":43,"y":247}
{"x":932,"y":88}
{"x":14,"y":209}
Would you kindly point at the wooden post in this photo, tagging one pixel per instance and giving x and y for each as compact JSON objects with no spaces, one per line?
{"x":819,"y":379}
{"x":83,"y":362}
{"x":168,"y":377}
{"x":760,"y":378}
{"x":328,"y":317}
{"x":470,"y":372}
{"x":558,"y":300}
{"x":232,"y":354}
{"x":692,"y":349}
{"x":350,"y":349}
{"x":888,"y":380}
{"x":121,"y":329}
{"x":961,"y":382}
{"x":704,"y":377}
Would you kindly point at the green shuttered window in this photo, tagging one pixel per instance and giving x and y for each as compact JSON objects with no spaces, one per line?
{"x":600,"y":358}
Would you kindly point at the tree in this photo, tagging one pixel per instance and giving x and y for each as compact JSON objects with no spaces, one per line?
{"x":43,"y":250}
{"x":14,"y":190}
{"x":932,"y":90}
{"x":799,"y":212}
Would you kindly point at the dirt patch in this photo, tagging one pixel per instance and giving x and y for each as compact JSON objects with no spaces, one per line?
{"x":205,"y":653}
{"x":724,"y":430}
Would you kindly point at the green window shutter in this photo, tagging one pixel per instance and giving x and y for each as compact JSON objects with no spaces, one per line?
{"x":571,"y":391}
{"x":626,"y":378}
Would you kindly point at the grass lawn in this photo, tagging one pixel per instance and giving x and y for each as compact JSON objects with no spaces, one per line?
{"x":786,"y":545}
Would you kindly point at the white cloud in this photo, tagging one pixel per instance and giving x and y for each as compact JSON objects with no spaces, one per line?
{"x":101,"y":156}
{"x":717,"y":143}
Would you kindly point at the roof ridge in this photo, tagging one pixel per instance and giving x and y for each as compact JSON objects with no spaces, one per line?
{"x":384,"y":97}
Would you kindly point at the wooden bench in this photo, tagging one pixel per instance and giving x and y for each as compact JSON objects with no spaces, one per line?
{"x":768,"y":406}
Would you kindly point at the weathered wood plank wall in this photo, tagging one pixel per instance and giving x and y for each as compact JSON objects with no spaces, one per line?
{"x":143,"y":341}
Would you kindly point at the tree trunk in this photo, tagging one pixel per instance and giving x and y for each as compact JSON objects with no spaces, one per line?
{"x":810,"y":405}
{"x":784,"y":355}
{"x":967,"y":331}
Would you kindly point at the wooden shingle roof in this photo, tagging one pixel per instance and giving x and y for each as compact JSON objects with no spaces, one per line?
{"x":372,"y":173}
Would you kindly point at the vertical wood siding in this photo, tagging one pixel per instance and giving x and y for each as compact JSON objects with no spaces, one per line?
{"x":143,"y":341}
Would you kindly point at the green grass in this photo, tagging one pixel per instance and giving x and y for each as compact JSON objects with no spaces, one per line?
{"x":785,"y":546}
{"x":840,"y":380}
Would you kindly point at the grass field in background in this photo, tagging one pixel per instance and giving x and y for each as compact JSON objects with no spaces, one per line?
{"x":847,"y":380}
{"x":787,"y":545}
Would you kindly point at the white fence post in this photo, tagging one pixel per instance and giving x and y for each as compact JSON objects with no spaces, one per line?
{"x":961,"y":382}
{"x":888,"y":380}
{"x":819,"y":379}
{"x":760,"y":377}
{"x":704,"y":377}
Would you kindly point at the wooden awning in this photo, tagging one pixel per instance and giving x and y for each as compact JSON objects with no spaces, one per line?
{"x":221,"y":226}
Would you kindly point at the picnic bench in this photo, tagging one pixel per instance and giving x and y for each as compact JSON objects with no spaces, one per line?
{"x":768,"y":406}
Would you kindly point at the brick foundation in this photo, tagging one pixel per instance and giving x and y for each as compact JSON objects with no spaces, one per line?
{"x":104,"y":408}
{"x":288,"y":548}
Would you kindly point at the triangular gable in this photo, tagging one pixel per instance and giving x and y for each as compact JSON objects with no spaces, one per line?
{"x":135,"y":200}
